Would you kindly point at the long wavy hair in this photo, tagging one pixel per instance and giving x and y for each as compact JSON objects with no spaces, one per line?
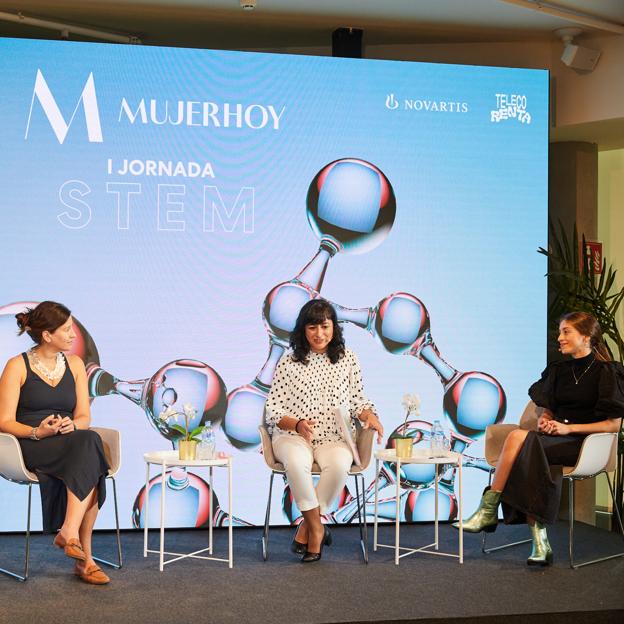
{"x":587,"y":325}
{"x":316,"y":312}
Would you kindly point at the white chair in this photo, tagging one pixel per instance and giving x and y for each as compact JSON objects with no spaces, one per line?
{"x":12,"y":468}
{"x":598,"y":455}
{"x":364,"y":441}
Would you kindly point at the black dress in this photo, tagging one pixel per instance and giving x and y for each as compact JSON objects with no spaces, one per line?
{"x":74,"y":460}
{"x":534,"y":484}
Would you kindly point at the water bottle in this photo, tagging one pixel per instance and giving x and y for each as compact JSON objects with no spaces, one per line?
{"x":438,"y":446}
{"x":206,"y":446}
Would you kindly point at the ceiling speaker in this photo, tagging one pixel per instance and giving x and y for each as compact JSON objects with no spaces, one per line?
{"x":578,"y":57}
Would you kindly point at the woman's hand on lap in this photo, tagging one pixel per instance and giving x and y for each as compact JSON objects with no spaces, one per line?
{"x":305,"y":428}
{"x":553,"y":427}
{"x":66,"y":425}
{"x":49,"y":426}
{"x":558,"y":429}
{"x":542,"y":422}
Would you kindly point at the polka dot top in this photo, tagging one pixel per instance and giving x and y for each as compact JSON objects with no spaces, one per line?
{"x":313,"y":390}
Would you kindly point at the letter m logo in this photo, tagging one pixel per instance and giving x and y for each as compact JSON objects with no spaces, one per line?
{"x":53,"y":113}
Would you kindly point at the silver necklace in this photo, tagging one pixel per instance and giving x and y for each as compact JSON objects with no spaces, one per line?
{"x":577,"y":379}
{"x":40,"y":367}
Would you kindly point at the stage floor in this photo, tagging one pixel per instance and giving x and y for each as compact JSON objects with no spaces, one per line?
{"x":493,"y":588}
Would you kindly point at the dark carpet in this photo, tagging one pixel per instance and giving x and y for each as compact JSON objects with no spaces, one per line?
{"x":492,"y":589}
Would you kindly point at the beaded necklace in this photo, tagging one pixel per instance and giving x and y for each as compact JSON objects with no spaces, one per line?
{"x":41,"y":368}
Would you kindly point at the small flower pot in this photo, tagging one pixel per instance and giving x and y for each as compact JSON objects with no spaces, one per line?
{"x":187,"y":449}
{"x":403,"y":447}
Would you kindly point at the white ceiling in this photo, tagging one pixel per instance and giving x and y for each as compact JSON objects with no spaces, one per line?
{"x":283,"y":23}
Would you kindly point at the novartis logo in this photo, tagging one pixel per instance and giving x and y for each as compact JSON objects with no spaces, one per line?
{"x":391,"y":102}
{"x":425,"y":105}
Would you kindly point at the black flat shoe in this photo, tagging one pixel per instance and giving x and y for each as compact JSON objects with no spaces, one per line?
{"x":311,"y":557}
{"x":299,"y":548}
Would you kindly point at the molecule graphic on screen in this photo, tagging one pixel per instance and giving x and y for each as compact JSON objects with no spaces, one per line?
{"x":351,"y":209}
{"x":175,"y":383}
{"x":192,"y":504}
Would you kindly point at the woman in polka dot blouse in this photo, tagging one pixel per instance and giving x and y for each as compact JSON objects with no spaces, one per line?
{"x":319,"y":375}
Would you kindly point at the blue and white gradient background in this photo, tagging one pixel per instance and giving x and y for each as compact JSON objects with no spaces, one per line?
{"x":471,"y":211}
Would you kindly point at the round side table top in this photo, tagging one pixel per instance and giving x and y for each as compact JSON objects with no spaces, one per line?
{"x":171,"y":458}
{"x":419,"y":456}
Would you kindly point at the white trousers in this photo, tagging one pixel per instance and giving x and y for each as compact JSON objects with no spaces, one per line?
{"x":334,"y":459}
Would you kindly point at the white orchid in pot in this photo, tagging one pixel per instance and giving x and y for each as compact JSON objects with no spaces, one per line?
{"x":187,"y":444}
{"x":403,"y":442}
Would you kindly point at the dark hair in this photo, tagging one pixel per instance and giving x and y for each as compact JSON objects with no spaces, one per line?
{"x":316,"y":312}
{"x":587,"y":325}
{"x":46,"y":316}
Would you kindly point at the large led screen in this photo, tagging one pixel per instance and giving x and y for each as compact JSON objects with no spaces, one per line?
{"x":184,"y":204}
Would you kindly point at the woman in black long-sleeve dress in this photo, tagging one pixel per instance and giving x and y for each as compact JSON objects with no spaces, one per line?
{"x":580,"y":396}
{"x":44,"y":402}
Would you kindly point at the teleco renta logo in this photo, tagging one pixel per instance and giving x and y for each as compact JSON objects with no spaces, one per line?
{"x":510,"y":106}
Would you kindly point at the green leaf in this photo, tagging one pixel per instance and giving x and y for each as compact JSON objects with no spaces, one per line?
{"x":179,"y":429}
{"x":196,"y":432}
{"x":573,"y":284}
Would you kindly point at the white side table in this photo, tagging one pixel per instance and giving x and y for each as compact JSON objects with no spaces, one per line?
{"x":167,"y":459}
{"x":419,"y":456}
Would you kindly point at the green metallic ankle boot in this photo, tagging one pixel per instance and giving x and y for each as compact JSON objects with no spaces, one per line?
{"x":486,"y":516}
{"x":541,"y":553}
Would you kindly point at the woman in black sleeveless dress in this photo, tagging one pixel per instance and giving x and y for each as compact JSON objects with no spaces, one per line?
{"x":580,"y":396}
{"x":44,"y":403}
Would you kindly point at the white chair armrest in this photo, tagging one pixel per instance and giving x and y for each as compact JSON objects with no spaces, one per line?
{"x":12,"y":465}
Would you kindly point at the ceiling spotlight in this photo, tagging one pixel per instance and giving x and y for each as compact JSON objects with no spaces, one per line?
{"x":576,"y":56}
{"x":248,"y":5}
